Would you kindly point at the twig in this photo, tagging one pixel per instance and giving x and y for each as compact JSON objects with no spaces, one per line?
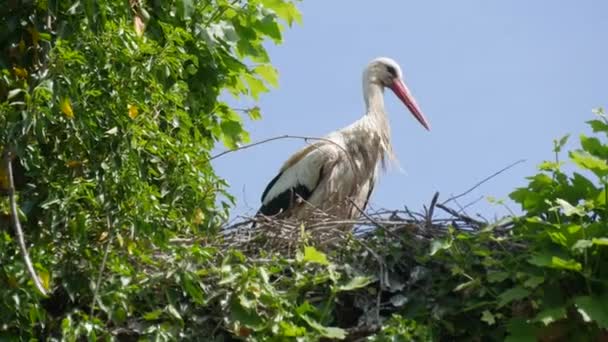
{"x":429,"y":217}
{"x":284,"y":136}
{"x":103,"y":262}
{"x":483,"y":181}
{"x":471,"y":204}
{"x":376,"y":223}
{"x":465,"y":218}
{"x":288,"y":136}
{"x":17,"y":225}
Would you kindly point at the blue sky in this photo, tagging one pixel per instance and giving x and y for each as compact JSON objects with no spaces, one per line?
{"x":498,"y":81}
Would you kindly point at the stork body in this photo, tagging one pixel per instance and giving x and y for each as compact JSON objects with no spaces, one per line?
{"x":336,"y":174}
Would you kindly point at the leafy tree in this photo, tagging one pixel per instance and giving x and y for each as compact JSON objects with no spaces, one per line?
{"x":111,"y":109}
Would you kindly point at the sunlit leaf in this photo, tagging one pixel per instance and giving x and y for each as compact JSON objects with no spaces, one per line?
{"x":356,"y":283}
{"x":571,"y":264}
{"x":66,"y":108}
{"x":20,"y":72}
{"x":153,"y":315}
{"x":439,"y":244}
{"x":487,"y":317}
{"x":590,"y":162}
{"x":600,"y":241}
{"x":132,"y":110}
{"x":593,"y":308}
{"x":45,"y":278}
{"x":548,"y":316}
{"x":329,"y":332}
{"x":568,"y":209}
{"x":268,"y":73}
{"x":581,"y":245}
{"x":312,"y":255}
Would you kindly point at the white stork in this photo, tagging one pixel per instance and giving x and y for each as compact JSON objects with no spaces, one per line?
{"x":337,"y":174}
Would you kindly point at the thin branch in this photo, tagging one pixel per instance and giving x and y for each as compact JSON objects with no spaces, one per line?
{"x":483,"y":181}
{"x":8,"y":156}
{"x":376,"y":223}
{"x":429,"y":217}
{"x":288,"y":136}
{"x":103,"y":262}
{"x":281,"y":137}
{"x":464,"y":218}
{"x":471,"y":204}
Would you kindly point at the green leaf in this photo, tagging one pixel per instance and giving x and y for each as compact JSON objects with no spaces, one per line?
{"x":254,"y":113}
{"x":534,"y":281}
{"x":172,"y":311}
{"x":559,"y":144}
{"x":593,"y":308}
{"x":439,"y":244}
{"x":249,"y":318}
{"x":486,"y":316}
{"x":550,"y":166}
{"x":285,"y":10}
{"x":548,"y":316}
{"x":582,"y":244}
{"x":185,"y":8}
{"x":594,"y":147}
{"x":268,"y":74}
{"x":590,"y":162}
{"x":598,"y":126}
{"x":568,"y":209}
{"x":546,"y":260}
{"x":516,"y":293}
{"x":329,"y":332}
{"x":497,"y":276}
{"x":571,"y":264}
{"x":256,"y":86}
{"x":466,"y":285}
{"x":153,"y":315}
{"x":312,"y":255}
{"x":291,"y":330}
{"x":356,"y":283}
{"x":600,"y":241}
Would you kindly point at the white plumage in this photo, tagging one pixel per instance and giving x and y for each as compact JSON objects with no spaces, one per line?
{"x":337,"y":174}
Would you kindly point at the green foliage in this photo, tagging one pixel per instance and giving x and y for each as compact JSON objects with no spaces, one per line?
{"x":543,"y":278}
{"x":112,"y":108}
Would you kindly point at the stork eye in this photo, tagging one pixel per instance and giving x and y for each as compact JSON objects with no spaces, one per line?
{"x":391,"y":70}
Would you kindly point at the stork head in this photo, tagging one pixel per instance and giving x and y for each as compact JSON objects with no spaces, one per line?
{"x":385,"y":72}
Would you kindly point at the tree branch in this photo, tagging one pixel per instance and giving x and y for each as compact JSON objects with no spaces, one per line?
{"x":103,"y":262}
{"x":483,"y":181}
{"x":288,"y":136}
{"x":8,"y":156}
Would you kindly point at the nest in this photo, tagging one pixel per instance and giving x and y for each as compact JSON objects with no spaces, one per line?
{"x":255,"y":235}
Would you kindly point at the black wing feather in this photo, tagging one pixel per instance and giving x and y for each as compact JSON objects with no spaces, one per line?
{"x":286,"y":199}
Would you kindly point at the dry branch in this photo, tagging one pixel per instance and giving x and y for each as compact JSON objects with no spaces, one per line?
{"x":7,"y":162}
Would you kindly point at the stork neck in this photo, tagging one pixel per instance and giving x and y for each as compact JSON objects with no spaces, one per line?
{"x":374,"y":98}
{"x":376,"y":116}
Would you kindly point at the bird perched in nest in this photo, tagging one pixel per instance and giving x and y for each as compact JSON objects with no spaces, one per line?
{"x":336,"y":174}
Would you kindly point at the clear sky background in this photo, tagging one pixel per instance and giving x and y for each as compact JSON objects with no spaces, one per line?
{"x":498,"y":81}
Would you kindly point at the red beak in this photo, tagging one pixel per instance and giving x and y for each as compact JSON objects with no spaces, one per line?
{"x":400,"y":89}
